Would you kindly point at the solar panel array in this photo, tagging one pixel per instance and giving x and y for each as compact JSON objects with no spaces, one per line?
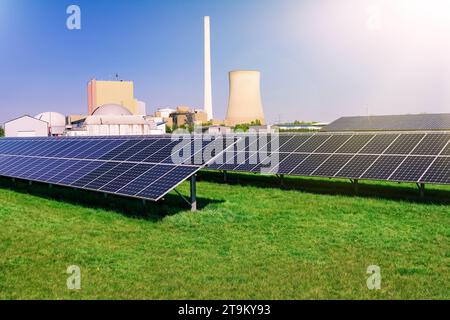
{"x":146,"y":167}
{"x":421,"y":157}
{"x":140,"y":167}
{"x":409,"y":122}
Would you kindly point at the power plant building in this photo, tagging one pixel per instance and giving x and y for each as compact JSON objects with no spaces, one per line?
{"x":121,"y":93}
{"x":26,"y":126}
{"x":245,"y":103}
{"x":56,"y":122}
{"x":116,"y":120}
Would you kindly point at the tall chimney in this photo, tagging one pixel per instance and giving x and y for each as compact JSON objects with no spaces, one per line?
{"x":208,"y":84}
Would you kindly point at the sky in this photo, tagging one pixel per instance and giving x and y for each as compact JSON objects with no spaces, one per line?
{"x":319,"y":59}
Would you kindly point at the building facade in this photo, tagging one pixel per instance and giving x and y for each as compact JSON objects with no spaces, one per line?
{"x":26,"y":126}
{"x":113,"y":92}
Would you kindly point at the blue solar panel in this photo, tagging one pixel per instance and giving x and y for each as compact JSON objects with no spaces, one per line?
{"x":120,"y":165}
{"x":146,"y":167}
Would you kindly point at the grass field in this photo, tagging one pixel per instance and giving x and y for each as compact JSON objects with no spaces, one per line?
{"x":314,"y":239}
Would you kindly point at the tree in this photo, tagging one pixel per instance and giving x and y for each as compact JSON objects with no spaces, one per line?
{"x":246,"y":126}
{"x":2,"y":132}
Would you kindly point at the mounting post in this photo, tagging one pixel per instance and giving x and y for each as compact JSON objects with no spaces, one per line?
{"x":225,"y":176}
{"x":281,"y":177}
{"x":50,"y":186}
{"x":421,"y":187}
{"x":194,"y":193}
{"x":30,"y":183}
{"x":356,"y":185}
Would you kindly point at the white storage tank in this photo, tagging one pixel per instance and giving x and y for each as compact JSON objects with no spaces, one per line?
{"x":56,"y":122}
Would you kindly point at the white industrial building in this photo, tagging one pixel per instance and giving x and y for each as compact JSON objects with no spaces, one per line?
{"x":56,"y":122}
{"x":43,"y":125}
{"x":116,"y":120}
{"x":26,"y":126}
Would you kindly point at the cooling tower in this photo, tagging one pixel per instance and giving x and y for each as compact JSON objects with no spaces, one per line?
{"x":244,"y":105}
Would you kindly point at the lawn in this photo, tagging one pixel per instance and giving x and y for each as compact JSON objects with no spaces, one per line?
{"x":251,"y":239}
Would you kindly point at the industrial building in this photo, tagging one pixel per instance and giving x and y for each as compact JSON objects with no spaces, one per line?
{"x":102,"y":93}
{"x":116,"y":120}
{"x":43,"y":125}
{"x":56,"y":122}
{"x":185,"y":116}
{"x":113,"y":110}
{"x":26,"y":126}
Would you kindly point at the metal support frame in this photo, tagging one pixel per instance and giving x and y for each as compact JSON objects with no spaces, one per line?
{"x":355,"y":183}
{"x":193,"y":189}
{"x":421,"y":187}
{"x":194,"y":193}
{"x":281,"y":177}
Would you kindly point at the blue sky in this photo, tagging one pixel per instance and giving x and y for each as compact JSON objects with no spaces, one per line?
{"x":319,"y":59}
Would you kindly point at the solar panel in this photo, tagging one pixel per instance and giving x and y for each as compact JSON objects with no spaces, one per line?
{"x":146,"y":167}
{"x":313,"y":143}
{"x":288,"y":162}
{"x":379,"y":144}
{"x":383,"y":168}
{"x":404,"y":144}
{"x":332,"y":144}
{"x":439,"y":172}
{"x":412,"y":169}
{"x":310,"y":164}
{"x":391,"y":123}
{"x":432,"y":144}
{"x":375,"y":155}
{"x":357,"y":166}
{"x":141,"y":167}
{"x":332,"y":165}
{"x":355,"y":144}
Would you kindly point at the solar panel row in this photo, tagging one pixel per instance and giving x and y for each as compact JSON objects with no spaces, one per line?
{"x":137,"y":167}
{"x":128,"y":179}
{"x":403,"y":157}
{"x":145,"y":167}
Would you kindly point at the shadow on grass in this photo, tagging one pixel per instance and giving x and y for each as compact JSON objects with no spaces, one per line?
{"x":366,"y":189}
{"x":130,"y":207}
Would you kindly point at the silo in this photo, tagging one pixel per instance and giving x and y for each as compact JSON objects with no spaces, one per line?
{"x":244,"y":105}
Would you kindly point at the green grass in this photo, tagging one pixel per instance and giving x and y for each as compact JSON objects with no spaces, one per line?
{"x":313,"y":239}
